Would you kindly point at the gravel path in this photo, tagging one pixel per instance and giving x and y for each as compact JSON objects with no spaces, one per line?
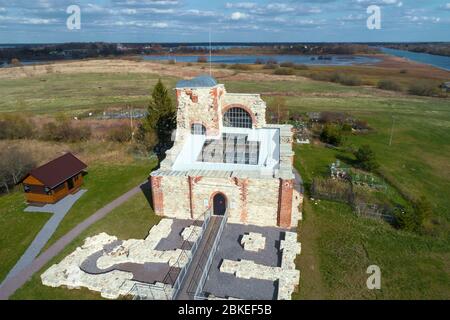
{"x":10,"y":285}
{"x":59,"y":211}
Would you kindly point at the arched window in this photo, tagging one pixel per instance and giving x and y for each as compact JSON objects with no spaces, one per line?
{"x":198,"y":129}
{"x":237,"y":118}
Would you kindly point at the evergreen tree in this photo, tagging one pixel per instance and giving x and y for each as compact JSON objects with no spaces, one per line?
{"x":156,"y":129}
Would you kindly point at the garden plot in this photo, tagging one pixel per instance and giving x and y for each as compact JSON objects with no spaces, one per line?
{"x":112,"y":267}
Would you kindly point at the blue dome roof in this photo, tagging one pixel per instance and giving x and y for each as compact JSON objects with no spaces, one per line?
{"x":203,"y":81}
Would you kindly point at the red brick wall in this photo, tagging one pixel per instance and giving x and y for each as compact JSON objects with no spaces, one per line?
{"x":285,"y":203}
{"x":157,"y":195}
{"x":243,"y":191}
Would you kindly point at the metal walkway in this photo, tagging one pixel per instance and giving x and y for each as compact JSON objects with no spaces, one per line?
{"x":199,"y":261}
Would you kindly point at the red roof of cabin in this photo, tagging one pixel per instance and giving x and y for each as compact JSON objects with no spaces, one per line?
{"x":59,"y":170}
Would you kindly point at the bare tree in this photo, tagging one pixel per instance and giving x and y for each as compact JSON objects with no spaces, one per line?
{"x":15,"y":163}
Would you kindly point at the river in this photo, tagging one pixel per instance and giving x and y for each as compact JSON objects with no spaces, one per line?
{"x":442,"y":62}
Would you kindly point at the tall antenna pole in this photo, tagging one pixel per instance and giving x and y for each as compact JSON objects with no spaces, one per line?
{"x":210,"y":53}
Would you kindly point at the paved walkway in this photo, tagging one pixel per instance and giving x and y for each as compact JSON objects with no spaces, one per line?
{"x":11,"y":284}
{"x":59,"y":211}
{"x":194,"y":272}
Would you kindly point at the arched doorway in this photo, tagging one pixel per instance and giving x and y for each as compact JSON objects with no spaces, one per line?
{"x":219,"y":204}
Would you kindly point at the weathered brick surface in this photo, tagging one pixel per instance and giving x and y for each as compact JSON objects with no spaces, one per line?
{"x":252,"y":201}
{"x":157,"y":195}
{"x":285,"y":204}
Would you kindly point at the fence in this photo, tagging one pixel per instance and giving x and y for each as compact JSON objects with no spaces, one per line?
{"x":199,"y":291}
{"x":177,"y":272}
{"x":344,"y":191}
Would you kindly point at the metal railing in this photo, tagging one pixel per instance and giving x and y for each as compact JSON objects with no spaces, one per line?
{"x":199,"y":295}
{"x":147,"y":291}
{"x":178,"y":270}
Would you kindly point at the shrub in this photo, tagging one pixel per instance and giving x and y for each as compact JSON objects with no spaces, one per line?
{"x":64,"y":131}
{"x":301,"y":67}
{"x":15,"y":62}
{"x":284,"y":72}
{"x":423,"y":89}
{"x":202,"y":59}
{"x":287,"y":64}
{"x":120,"y":134}
{"x":189,"y":64}
{"x":365,"y":158}
{"x":331,"y":134}
{"x":271,"y":66}
{"x":407,"y":219}
{"x":15,"y":127}
{"x":403,"y":71}
{"x":346,"y":79}
{"x":259,"y":61}
{"x":389,"y":85}
{"x":223,"y":65}
{"x":172,"y":61}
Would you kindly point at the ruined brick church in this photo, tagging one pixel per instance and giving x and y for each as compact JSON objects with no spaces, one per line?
{"x":226,"y":159}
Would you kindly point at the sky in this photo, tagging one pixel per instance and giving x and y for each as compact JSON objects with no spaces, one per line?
{"x":44,"y":21}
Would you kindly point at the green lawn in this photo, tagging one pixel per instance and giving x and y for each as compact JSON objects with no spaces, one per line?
{"x":104,"y":182}
{"x":132,"y":220}
{"x":17,"y":230}
{"x":339,"y":246}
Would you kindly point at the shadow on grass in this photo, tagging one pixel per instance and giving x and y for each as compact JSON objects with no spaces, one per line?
{"x":147,"y":191}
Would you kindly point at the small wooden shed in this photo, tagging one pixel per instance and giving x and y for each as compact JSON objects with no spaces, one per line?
{"x":54,"y":180}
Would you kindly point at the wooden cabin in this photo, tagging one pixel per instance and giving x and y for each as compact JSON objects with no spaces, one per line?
{"x":54,"y":180}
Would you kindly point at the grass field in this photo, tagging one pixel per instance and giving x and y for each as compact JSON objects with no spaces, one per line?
{"x":140,"y":218}
{"x":104,"y":183}
{"x":337,"y":246}
{"x":17,"y":230}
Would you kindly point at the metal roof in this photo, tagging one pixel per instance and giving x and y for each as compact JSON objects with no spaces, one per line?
{"x":203,"y":81}
{"x":59,"y":170}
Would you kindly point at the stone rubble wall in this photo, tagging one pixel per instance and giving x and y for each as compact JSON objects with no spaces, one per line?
{"x":191,"y":233}
{"x":116,"y":283}
{"x":288,"y":277}
{"x":252,"y":102}
{"x":199,"y":105}
{"x":253,"y":242}
{"x":176,"y":202}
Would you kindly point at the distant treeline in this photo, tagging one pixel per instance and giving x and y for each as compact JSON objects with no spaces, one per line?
{"x":441,"y":49}
{"x":50,"y":52}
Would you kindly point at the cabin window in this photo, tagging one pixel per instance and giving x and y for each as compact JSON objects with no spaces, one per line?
{"x":26,"y":188}
{"x":198,"y":129}
{"x":237,"y":118}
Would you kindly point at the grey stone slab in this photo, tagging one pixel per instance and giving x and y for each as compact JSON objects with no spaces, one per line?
{"x":226,"y":285}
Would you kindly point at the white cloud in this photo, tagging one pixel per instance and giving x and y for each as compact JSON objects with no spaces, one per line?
{"x":239,"y":16}
{"x":241,"y":5}
{"x":160,"y":25}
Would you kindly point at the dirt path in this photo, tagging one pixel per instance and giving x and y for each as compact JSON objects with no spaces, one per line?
{"x":13,"y":283}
